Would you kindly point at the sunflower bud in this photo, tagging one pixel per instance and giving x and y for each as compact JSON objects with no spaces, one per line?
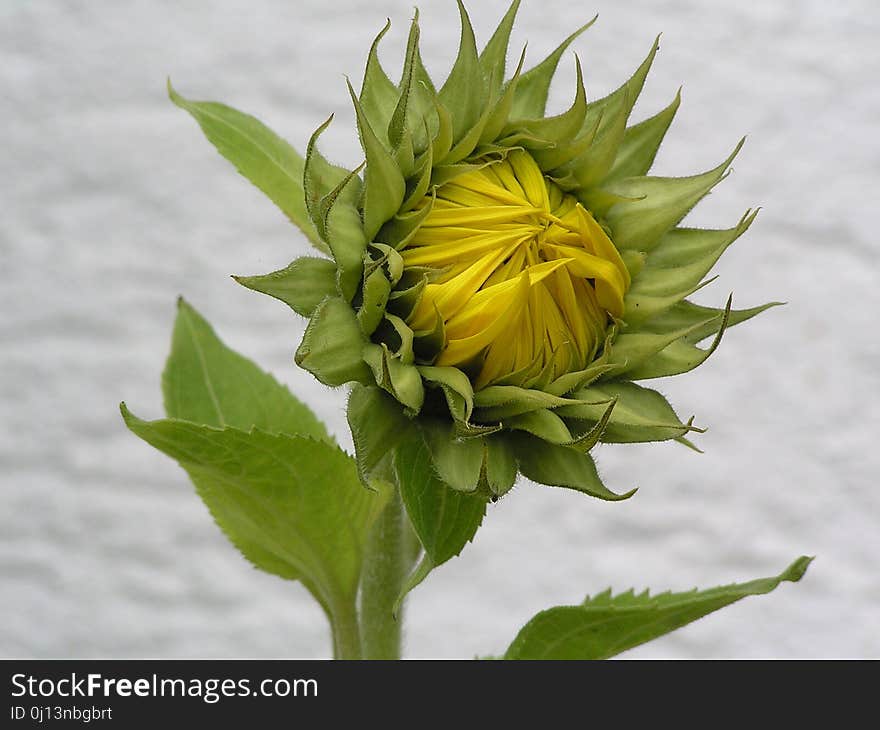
{"x":504,"y":276}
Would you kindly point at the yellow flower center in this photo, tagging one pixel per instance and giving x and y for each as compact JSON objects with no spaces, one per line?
{"x":526,"y":281}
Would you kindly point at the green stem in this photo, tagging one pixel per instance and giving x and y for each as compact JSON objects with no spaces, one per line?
{"x":388,"y":558}
{"x":346,"y":632}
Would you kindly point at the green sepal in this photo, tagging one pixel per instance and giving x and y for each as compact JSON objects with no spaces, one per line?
{"x":625,"y":96}
{"x":384,"y":186}
{"x":679,"y":356}
{"x":259,"y":154}
{"x":499,"y":402}
{"x":331,"y":348}
{"x":424,"y":120}
{"x":560,"y":128}
{"x":427,"y":344}
{"x":400,"y":379}
{"x":320,"y":179}
{"x":530,"y":100}
{"x":640,"y":307}
{"x":634,"y":262}
{"x":596,"y":200}
{"x":561,"y":466}
{"x":389,"y":261}
{"x":462,"y":92}
{"x":493,"y":58}
{"x":458,"y":462}
{"x":379,"y":94}
{"x":641,"y":142}
{"x":499,"y":465}
{"x":554,"y":159}
{"x":640,"y":414}
{"x":605,"y":625}
{"x":402,"y":226}
{"x":377,"y":423}
{"x":404,"y":123}
{"x":345,"y":236}
{"x":405,"y":336}
{"x":500,"y":109}
{"x":456,"y":387}
{"x":402,"y":302}
{"x":464,"y":147}
{"x":630,"y":350}
{"x":375,"y":297}
{"x":442,"y":142}
{"x":544,"y":424}
{"x":572,"y":381}
{"x":699,"y":321}
{"x":684,"y":256}
{"x":417,"y":186}
{"x":302,"y":285}
{"x":663,"y":202}
{"x":591,"y":166}
{"x":589,"y":438}
{"x":444,"y":519}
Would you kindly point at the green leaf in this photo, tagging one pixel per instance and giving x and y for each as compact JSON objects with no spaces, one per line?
{"x":259,"y":154}
{"x":207,"y":383}
{"x":332,"y":346}
{"x":605,"y":625}
{"x":561,"y":466}
{"x":444,"y":520}
{"x":302,"y":285}
{"x":292,"y":505}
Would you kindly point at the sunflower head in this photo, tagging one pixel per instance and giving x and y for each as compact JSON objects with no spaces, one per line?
{"x":504,"y":277}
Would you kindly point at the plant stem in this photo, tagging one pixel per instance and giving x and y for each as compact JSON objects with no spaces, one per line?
{"x":388,"y":557}
{"x":346,"y":633}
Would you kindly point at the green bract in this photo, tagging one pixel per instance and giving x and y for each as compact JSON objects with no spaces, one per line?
{"x":360,"y":295}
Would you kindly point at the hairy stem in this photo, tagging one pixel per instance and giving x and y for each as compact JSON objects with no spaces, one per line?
{"x":388,"y":558}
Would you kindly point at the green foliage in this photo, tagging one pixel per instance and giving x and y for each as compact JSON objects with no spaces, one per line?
{"x":275,"y":482}
{"x":293,"y":506}
{"x":207,"y":383}
{"x":259,"y":154}
{"x":444,"y":519}
{"x":605,"y":625}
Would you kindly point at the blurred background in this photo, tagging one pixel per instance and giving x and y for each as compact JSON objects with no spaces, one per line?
{"x":113,"y":204}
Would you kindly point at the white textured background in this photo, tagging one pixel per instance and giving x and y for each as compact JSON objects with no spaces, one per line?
{"x":113,"y":204}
